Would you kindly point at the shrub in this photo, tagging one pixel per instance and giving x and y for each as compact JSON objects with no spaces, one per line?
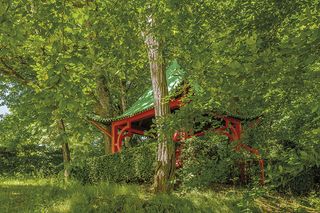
{"x":212,"y":159}
{"x":132,"y":165}
{"x":30,"y":160}
{"x":304,"y":182}
{"x":206,"y":160}
{"x":294,"y":172}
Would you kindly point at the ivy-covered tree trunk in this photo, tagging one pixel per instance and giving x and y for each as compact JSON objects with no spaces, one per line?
{"x":65,"y":151}
{"x":164,"y":175}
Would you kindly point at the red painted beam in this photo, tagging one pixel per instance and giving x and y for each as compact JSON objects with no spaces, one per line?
{"x":104,"y":130}
{"x":123,"y":123}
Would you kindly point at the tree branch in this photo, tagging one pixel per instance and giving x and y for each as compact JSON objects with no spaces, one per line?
{"x":11,"y":72}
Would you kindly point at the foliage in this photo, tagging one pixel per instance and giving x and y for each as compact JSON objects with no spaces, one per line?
{"x":52,"y":57}
{"x":211,"y":160}
{"x":269,"y":73}
{"x":30,"y":161}
{"x":132,"y":165}
{"x":205,"y":162}
{"x":291,"y":165}
{"x":304,"y":182}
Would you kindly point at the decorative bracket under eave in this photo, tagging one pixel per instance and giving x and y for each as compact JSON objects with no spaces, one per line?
{"x":104,"y":130}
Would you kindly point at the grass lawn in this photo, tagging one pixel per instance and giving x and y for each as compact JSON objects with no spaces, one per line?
{"x":50,"y":195}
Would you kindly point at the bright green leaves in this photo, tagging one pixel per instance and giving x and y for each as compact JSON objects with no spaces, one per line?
{"x":235,"y":66}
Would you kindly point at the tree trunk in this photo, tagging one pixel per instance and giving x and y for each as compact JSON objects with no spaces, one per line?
{"x":164,"y":175}
{"x":124,"y":106}
{"x":65,"y":151}
{"x":105,"y":108}
{"x":66,"y":161}
{"x":123,"y":96}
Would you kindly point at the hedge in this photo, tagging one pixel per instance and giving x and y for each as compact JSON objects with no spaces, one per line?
{"x":204,"y":163}
{"x":30,"y":161}
{"x":132,"y":165}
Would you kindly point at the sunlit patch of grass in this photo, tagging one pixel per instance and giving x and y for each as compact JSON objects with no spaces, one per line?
{"x":62,"y":207}
{"x":23,"y":181}
{"x":216,"y":202}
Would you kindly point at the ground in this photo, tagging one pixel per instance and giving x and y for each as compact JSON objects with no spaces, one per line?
{"x":51,"y":195}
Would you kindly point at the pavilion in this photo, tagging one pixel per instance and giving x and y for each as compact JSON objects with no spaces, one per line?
{"x":139,"y":118}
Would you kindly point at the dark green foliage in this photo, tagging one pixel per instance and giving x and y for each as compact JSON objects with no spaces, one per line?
{"x":304,"y":182}
{"x":207,"y":160}
{"x":132,"y":165}
{"x":291,"y":154}
{"x":290,"y":173}
{"x":30,"y":160}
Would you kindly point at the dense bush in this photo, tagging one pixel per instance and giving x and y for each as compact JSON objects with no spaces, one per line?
{"x":294,"y":169}
{"x":303,"y":183}
{"x":30,"y":160}
{"x":132,"y":165}
{"x":205,"y":162}
{"x":211,"y":159}
{"x":291,"y":154}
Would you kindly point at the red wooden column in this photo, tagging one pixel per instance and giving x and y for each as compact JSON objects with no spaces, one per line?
{"x":122,"y":134}
{"x":235,"y":135}
{"x":115,"y":135}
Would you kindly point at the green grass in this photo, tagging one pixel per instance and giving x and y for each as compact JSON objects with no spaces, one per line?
{"x":50,"y":195}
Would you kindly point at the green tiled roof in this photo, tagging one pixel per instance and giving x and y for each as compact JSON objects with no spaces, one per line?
{"x":174,"y":75}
